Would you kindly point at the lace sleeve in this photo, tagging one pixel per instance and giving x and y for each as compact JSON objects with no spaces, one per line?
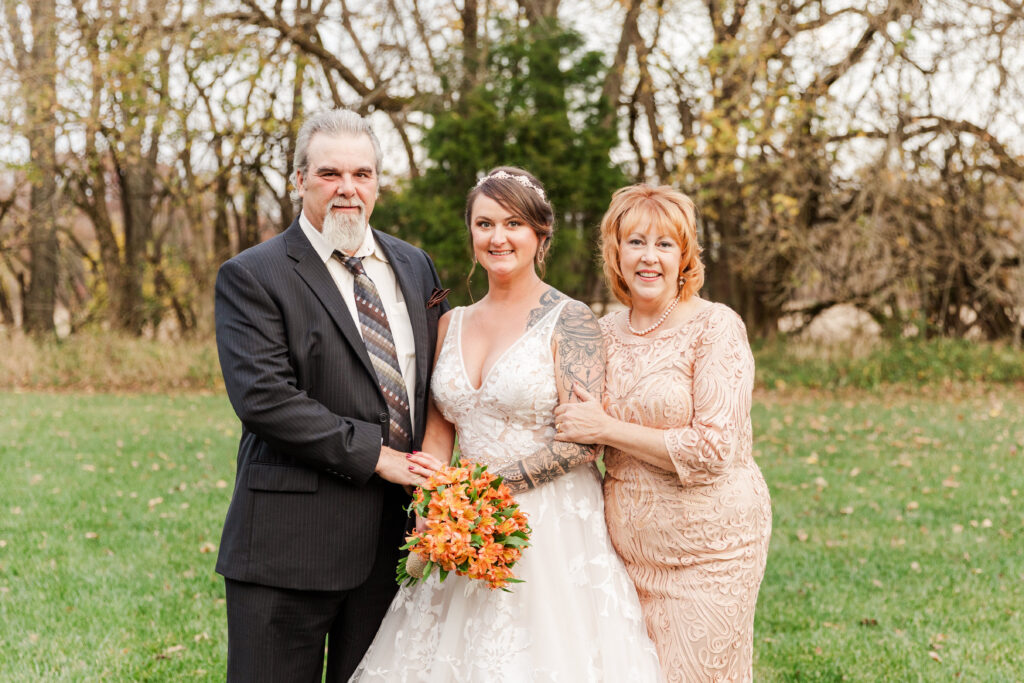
{"x":723,"y":381}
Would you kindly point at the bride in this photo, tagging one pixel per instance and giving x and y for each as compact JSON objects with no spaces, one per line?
{"x":502,"y":366}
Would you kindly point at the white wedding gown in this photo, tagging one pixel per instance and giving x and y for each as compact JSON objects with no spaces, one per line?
{"x":576,"y":618}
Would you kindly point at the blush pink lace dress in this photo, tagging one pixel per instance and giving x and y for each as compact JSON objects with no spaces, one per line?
{"x":694,"y":539}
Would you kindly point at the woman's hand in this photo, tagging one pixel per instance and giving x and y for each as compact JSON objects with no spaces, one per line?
{"x":581,"y":421}
{"x":423,"y":463}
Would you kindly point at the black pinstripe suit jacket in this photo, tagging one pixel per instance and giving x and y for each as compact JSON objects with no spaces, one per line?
{"x":307,"y":508}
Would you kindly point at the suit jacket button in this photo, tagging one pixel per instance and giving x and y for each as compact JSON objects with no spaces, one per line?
{"x":383,"y":418}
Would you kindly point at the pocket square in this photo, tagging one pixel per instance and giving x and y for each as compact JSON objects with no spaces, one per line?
{"x":437,"y":296}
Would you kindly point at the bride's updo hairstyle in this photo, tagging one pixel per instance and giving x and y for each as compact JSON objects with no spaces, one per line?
{"x":659,"y":210}
{"x":519,"y":193}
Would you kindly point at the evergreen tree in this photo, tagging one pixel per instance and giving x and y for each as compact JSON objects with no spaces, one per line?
{"x":538,"y":106}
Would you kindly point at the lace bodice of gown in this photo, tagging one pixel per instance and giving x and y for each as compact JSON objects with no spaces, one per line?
{"x":511,"y":414}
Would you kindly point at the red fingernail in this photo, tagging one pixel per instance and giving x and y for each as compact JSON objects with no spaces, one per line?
{"x":410,"y":468}
{"x":408,"y":456}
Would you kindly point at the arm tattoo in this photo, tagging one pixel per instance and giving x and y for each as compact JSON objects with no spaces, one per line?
{"x":579,"y":359}
{"x":545,"y":465}
{"x":580,"y":350}
{"x":547,"y":301}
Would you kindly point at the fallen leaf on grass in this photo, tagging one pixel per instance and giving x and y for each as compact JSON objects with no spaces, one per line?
{"x":848,"y":510}
{"x":170,"y":651}
{"x":801,"y":535}
{"x":934,"y":655}
{"x":207,"y":548}
{"x":153,"y":502}
{"x":868,"y":621}
{"x":221,"y":484}
{"x":91,"y":535}
{"x":912,"y":505}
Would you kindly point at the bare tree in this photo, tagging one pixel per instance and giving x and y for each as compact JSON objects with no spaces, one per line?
{"x":35,"y":59}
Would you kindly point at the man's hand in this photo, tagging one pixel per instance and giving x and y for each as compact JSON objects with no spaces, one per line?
{"x":409,"y":469}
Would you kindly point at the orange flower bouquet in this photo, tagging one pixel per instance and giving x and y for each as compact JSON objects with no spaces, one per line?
{"x":473,"y":527}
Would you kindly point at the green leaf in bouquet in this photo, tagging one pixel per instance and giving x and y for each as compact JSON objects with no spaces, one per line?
{"x":516,"y":541}
{"x":477,"y":539}
{"x":443,"y":573}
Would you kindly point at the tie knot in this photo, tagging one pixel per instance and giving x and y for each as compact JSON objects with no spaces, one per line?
{"x":353,"y":263}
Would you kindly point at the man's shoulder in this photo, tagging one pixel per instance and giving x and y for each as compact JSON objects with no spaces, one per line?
{"x":393,"y":244}
{"x":386,"y":239}
{"x":273,"y":248}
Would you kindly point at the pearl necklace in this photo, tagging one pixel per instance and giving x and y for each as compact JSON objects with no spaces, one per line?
{"x":652,"y":328}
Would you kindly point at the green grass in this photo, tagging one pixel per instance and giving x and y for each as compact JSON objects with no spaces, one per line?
{"x":112,"y":507}
{"x":895,"y":554}
{"x":876,"y":363}
{"x":896,"y":550}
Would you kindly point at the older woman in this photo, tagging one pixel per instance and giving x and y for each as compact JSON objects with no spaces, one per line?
{"x":687,"y":508}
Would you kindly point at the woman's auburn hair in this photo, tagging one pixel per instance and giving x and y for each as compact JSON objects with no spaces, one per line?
{"x":661,"y":210}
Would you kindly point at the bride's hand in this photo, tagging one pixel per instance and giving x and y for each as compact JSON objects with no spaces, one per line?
{"x":424,"y":463}
{"x":582,"y":420}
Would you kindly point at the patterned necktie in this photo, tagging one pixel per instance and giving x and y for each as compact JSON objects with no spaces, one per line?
{"x":381,"y":347}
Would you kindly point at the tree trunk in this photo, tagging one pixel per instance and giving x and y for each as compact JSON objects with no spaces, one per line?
{"x":40,"y":88}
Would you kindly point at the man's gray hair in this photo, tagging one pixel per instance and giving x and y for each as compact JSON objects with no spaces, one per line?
{"x":331,"y":122}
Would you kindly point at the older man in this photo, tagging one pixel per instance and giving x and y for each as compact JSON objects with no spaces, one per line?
{"x":326,"y":337}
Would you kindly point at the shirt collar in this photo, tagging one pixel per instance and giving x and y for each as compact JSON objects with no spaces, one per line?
{"x":369,"y":247}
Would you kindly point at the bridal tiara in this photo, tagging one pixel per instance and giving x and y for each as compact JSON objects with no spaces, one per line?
{"x":521,"y":179}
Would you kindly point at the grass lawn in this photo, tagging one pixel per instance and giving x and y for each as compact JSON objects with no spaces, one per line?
{"x":896,"y":552}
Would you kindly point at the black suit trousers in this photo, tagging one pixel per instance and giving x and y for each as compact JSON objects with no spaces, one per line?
{"x":277,"y":635}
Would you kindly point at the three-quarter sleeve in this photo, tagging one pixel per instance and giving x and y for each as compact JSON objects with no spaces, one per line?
{"x":723,"y":382}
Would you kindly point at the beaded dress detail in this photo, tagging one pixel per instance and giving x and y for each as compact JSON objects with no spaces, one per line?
{"x":576,"y":617}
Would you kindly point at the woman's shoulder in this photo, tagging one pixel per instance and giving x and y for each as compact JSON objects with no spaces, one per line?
{"x":575,"y":318}
{"x":721,"y":321}
{"x":612,"y":320}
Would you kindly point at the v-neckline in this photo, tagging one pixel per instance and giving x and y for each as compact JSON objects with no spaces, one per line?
{"x":485,"y":375}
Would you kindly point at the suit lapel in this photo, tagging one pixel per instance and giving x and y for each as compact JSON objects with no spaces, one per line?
{"x":414,"y":298}
{"x":314,"y":273}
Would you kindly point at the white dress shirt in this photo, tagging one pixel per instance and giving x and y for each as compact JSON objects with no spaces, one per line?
{"x":375,"y":261}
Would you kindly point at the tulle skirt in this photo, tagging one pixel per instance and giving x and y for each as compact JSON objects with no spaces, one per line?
{"x":576,"y":618}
